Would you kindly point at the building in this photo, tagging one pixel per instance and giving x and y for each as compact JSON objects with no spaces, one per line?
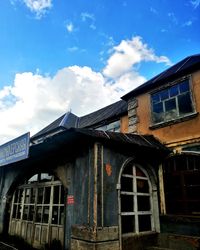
{"x":123,"y":177}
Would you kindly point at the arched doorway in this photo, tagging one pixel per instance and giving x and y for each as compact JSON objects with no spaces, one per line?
{"x":138,"y":201}
{"x":37,"y":210}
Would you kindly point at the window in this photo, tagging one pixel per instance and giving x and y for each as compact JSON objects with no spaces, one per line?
{"x":113,"y":127}
{"x":182,"y":185}
{"x":172,"y":103}
{"x":135,"y":201}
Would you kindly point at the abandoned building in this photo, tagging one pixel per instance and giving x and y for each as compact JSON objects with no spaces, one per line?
{"x":124,"y":177}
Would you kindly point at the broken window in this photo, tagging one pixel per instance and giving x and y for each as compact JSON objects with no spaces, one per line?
{"x":172,"y":103}
{"x":135,"y":201}
{"x":182,"y":185}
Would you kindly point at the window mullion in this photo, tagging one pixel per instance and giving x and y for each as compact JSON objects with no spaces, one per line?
{"x":135,"y":200}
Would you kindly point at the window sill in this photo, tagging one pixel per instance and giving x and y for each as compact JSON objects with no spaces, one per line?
{"x":178,"y":120}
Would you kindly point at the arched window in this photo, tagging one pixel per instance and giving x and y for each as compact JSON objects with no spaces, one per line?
{"x":135,"y":200}
{"x":37,"y":211}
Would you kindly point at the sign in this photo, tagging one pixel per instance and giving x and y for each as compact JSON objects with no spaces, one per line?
{"x":15,"y":150}
{"x":70,"y":199}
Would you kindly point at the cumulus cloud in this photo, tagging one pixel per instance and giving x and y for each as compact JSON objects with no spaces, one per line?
{"x":39,"y":7}
{"x":34,"y":100}
{"x":129,"y":53}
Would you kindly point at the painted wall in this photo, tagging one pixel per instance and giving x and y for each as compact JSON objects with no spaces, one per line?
{"x":178,"y":133}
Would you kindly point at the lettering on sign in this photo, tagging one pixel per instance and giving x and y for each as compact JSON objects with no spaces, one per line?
{"x":70,"y":199}
{"x":15,"y":150}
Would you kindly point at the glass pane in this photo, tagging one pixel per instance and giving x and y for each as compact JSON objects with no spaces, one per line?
{"x":128,"y":169}
{"x":62,"y":198}
{"x":31,"y":213}
{"x":45,"y":217}
{"x":126,"y":184}
{"x":184,"y":86}
{"x":142,"y":186}
{"x":173,"y":91}
{"x":158,"y":107}
{"x":56,"y":194}
{"x":25,"y":213}
{"x":139,"y":173}
{"x":144,"y":223}
{"x":19,"y":211}
{"x":40,"y":195}
{"x":14,"y":211}
{"x":127,"y":203}
{"x":34,"y":178}
{"x":143,"y":203}
{"x":164,"y":94}
{"x":27,"y":195}
{"x":155,"y":98}
{"x":47,"y":195}
{"x":33,"y":194}
{"x":61,"y":220}
{"x":45,"y":177}
{"x":170,"y":104}
{"x":55,"y":215}
{"x":39,"y":214}
{"x":128,"y":224}
{"x":185,"y":104}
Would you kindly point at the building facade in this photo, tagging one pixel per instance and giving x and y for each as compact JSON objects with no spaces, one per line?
{"x":124,"y":177}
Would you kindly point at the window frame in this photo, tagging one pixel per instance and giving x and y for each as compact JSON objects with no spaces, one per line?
{"x":179,"y":117}
{"x":135,"y":194}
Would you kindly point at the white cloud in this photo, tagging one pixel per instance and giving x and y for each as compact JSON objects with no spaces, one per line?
{"x":188,"y":23}
{"x":39,"y":7}
{"x":70,"y":27}
{"x":173,"y":18}
{"x":34,"y":100}
{"x":72,"y":49}
{"x":129,"y":53}
{"x":195,"y":3}
{"x":86,"y":15}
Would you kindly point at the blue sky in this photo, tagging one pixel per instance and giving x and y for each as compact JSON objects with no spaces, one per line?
{"x":80,"y":55}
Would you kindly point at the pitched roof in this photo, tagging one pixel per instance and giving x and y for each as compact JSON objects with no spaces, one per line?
{"x":180,"y":69}
{"x":94,"y":119}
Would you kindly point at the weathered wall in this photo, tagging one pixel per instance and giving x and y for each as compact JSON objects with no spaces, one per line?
{"x":178,"y":133}
{"x":124,"y":124}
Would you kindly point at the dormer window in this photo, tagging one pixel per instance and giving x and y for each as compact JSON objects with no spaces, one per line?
{"x":172,"y":103}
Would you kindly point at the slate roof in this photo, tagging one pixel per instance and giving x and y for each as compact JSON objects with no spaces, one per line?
{"x":100,"y":117}
{"x":180,"y":69}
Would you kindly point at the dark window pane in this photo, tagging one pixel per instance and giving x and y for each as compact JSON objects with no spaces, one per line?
{"x":14,"y":211}
{"x":126,"y":203}
{"x":62,"y":198}
{"x":139,"y":173}
{"x":128,"y":224}
{"x":155,"y":98}
{"x":184,"y":86}
{"x":56,"y":195}
{"x":61,"y":220}
{"x":25,"y":213}
{"x":170,"y":104}
{"x":126,"y":184}
{"x":33,"y":194}
{"x":143,"y":203}
{"x":144,"y":223}
{"x":39,"y":214}
{"x":19,"y":211}
{"x":47,"y":195}
{"x":142,"y":186}
{"x":128,"y":169}
{"x":31,"y":213}
{"x":55,"y":215}
{"x":173,"y":91}
{"x":27,"y":195}
{"x":185,"y":104}
{"x":158,"y":107}
{"x":40,"y":195}
{"x":164,"y":94}
{"x":45,"y":217}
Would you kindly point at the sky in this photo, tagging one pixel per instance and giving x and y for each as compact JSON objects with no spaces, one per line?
{"x":81,"y":55}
